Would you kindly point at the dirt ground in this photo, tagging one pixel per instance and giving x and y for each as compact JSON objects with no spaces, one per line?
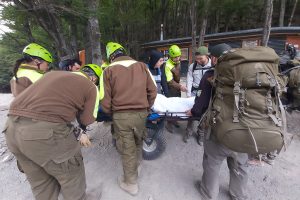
{"x":170,"y":177}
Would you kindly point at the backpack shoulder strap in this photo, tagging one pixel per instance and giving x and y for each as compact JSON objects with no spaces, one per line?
{"x":194,"y":66}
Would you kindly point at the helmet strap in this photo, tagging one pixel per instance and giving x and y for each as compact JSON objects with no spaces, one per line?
{"x":116,"y":54}
{"x":172,"y":61}
{"x":38,"y":65}
{"x":37,"y":62}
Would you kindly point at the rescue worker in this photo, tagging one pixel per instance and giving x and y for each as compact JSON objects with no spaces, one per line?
{"x":72,"y":65}
{"x":172,"y":73}
{"x":104,"y":64}
{"x":195,"y":72}
{"x":156,"y":61}
{"x":39,"y":132}
{"x":127,"y":91}
{"x":214,"y":152}
{"x":30,"y":68}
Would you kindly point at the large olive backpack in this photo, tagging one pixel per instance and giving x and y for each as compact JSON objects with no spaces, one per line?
{"x":245,"y":112}
{"x":294,"y":85}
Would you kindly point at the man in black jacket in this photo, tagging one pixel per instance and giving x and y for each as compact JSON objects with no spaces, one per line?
{"x":214,"y":152}
{"x":156,"y":61}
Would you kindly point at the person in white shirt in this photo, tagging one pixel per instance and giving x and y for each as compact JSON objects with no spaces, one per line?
{"x":195,"y":72}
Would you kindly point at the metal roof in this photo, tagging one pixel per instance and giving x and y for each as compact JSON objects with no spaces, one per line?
{"x":226,"y":35}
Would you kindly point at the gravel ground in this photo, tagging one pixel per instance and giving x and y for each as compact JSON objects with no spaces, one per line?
{"x":170,"y":177}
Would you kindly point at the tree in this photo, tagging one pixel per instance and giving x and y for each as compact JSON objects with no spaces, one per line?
{"x":282,"y":12}
{"x":193,"y":25}
{"x":204,"y":22}
{"x":47,"y":17}
{"x":293,"y":12}
{"x":93,"y":33}
{"x":268,"y":21}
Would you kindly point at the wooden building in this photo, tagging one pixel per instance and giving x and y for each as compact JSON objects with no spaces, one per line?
{"x":279,"y":37}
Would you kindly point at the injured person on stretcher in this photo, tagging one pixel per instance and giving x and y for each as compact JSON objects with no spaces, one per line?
{"x":176,"y":106}
{"x":168,"y":107}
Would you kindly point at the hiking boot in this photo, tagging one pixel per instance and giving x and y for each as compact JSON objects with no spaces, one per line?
{"x":169,"y":127}
{"x":187,"y":135}
{"x":132,"y":189}
{"x":114,"y":142}
{"x":201,"y":191}
{"x":200,"y":139}
{"x":186,"y":138}
{"x":176,"y":124}
{"x":95,"y":193}
{"x":269,"y":158}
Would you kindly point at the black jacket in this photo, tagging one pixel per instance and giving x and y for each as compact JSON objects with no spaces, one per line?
{"x":202,"y":101}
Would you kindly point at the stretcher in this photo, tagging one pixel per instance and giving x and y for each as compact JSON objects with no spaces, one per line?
{"x":155,"y":143}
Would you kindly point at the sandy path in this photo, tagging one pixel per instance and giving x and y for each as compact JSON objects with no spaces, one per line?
{"x":170,"y":177}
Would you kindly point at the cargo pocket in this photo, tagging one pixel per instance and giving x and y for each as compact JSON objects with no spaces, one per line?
{"x":119,"y":144}
{"x":5,"y":127}
{"x":144,"y":133}
{"x":37,"y":145}
{"x":141,"y":130}
{"x":74,"y":163}
{"x":29,"y":135}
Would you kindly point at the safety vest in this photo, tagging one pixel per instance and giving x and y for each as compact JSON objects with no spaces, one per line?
{"x":168,"y":67}
{"x":95,"y":112}
{"x":31,"y":73}
{"x":104,"y":65}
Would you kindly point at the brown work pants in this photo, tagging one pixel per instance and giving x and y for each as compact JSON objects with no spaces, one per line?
{"x":129,"y":130}
{"x":49,"y":155}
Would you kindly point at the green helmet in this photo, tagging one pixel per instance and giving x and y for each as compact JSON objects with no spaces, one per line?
{"x":111,"y":47}
{"x":36,"y":50}
{"x":97,"y":69}
{"x":174,"y":51}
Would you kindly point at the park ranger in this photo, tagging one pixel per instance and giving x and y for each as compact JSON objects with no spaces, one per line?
{"x":40,"y":134}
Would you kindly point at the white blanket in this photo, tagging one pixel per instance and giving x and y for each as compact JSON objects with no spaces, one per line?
{"x":163,"y":104}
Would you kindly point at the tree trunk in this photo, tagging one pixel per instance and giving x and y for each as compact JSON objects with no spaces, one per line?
{"x":73,"y":38}
{"x":94,"y":32}
{"x":48,"y":19}
{"x":268,"y":21}
{"x":293,"y":12}
{"x":282,"y":11}
{"x":164,"y":13}
{"x":217,"y":21}
{"x":27,"y":30}
{"x":204,"y":23}
{"x":193,"y":25}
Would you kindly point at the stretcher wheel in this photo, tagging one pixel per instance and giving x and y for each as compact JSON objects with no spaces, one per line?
{"x":154,"y":145}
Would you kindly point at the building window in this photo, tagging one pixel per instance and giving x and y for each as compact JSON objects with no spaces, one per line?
{"x":184,"y":53}
{"x":249,"y":43}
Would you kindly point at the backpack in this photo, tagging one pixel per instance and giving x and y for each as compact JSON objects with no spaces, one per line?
{"x":294,"y":85}
{"x":245,"y":112}
{"x":202,"y":69}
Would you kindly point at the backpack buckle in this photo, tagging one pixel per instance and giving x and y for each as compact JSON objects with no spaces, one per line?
{"x":236,"y":92}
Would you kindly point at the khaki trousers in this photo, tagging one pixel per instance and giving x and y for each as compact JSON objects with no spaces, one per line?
{"x":50,"y":156}
{"x":129,"y":130}
{"x":214,"y":154}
